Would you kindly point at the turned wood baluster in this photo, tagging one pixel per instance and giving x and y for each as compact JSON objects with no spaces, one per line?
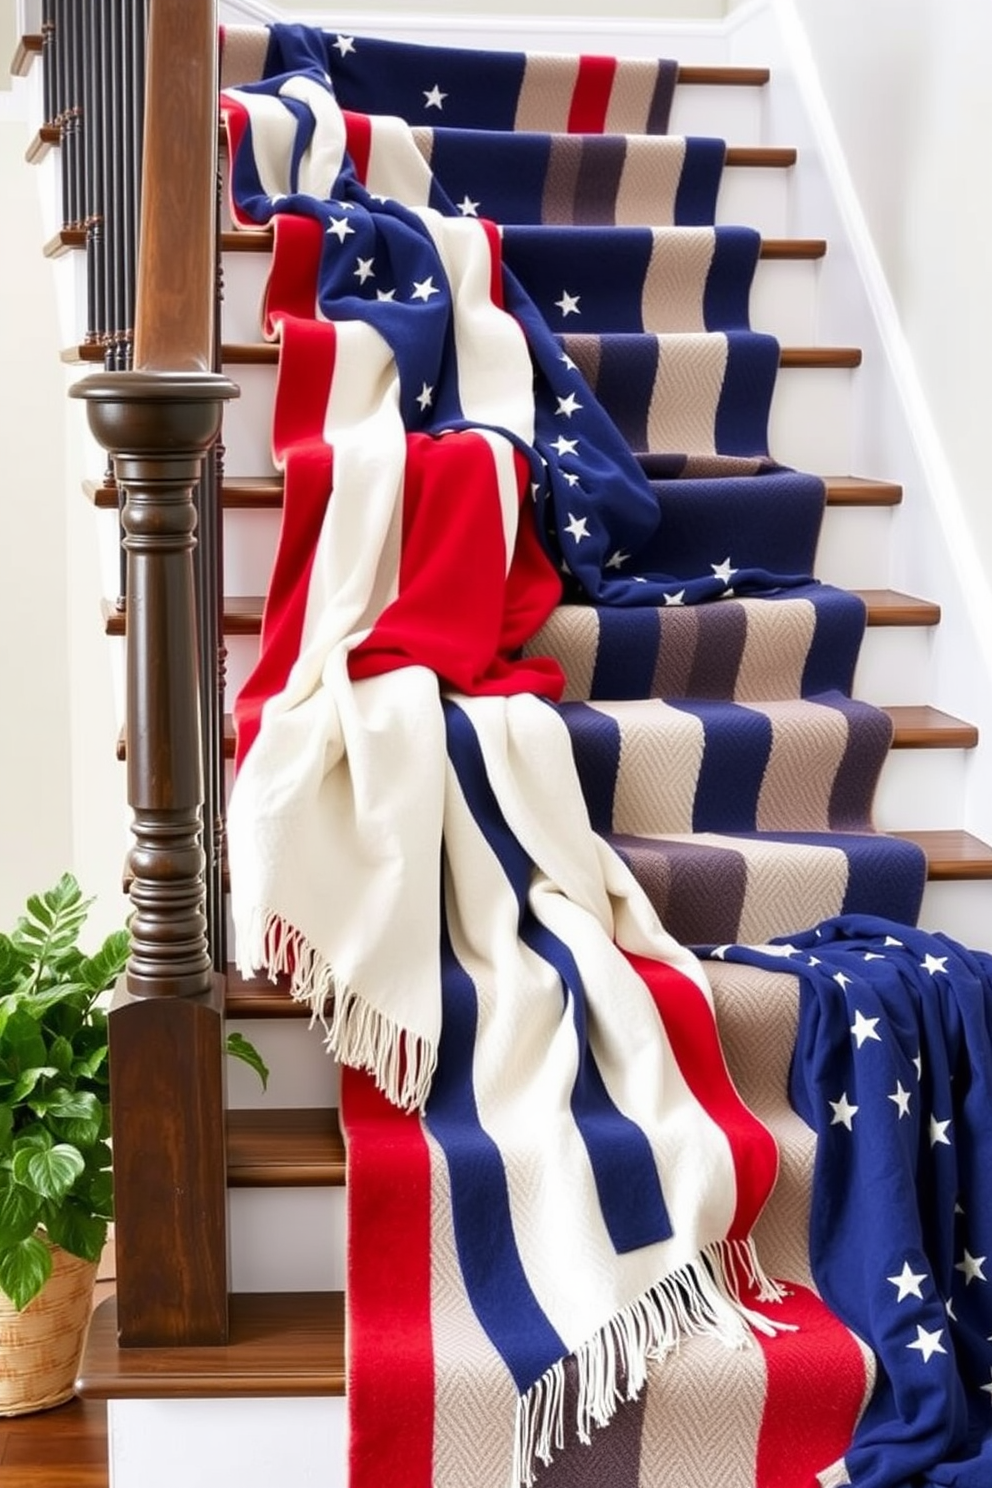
{"x":158,"y":422}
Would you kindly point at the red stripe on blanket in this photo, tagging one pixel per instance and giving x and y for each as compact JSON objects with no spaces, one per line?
{"x":390,"y":1382}
{"x":293,"y":276}
{"x":458,"y":612}
{"x":236,"y":122}
{"x":358,"y":137}
{"x":591,"y":96}
{"x":308,"y":347}
{"x":815,"y":1391}
{"x":495,"y":240}
{"x":689,"y":1023}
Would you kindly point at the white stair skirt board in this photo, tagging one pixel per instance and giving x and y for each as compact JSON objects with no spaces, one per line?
{"x":216,"y":1443}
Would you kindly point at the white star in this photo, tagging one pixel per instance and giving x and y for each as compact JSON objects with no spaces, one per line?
{"x":568,"y":304}
{"x":568,"y":405}
{"x":424,"y":288}
{"x":568,"y":361}
{"x":723,"y":571}
{"x":873,"y":956}
{"x":890,"y":940}
{"x":918,"y":1065}
{"x":844,"y":1112}
{"x":425,"y":397}
{"x":933,"y":964}
{"x":385,"y":294}
{"x":340,"y":228}
{"x":563,"y":446}
{"x":843,"y":983}
{"x":971,"y":1266}
{"x":570,"y":477}
{"x":987,"y":1388}
{"x":468,"y":207}
{"x":864,"y":1028}
{"x":434,"y":98}
{"x":345,"y":44}
{"x":901,"y":1098}
{"x":907,"y":1283}
{"x":928,"y":1343}
{"x":938,"y":1132}
{"x":617,"y":559}
{"x":949,"y":1309}
{"x":364,"y":270}
{"x":577,"y":527}
{"x":678,"y":598}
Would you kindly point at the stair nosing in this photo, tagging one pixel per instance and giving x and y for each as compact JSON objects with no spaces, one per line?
{"x":281,"y":1344}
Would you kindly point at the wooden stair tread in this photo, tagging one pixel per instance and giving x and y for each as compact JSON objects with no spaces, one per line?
{"x":26,"y":50}
{"x":723,"y":75}
{"x":923,"y":727}
{"x":915,"y":726}
{"x":284,"y":1148}
{"x":264,"y":492}
{"x":259,"y":240}
{"x":952,"y":855}
{"x":266,"y":353}
{"x":280,"y":1344}
{"x":243,"y":612}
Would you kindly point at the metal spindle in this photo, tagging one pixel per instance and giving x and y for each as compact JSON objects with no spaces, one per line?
{"x":93,"y":202}
{"x":48,"y":60}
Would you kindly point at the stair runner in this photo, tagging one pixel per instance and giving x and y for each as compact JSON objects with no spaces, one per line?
{"x":715,"y":740}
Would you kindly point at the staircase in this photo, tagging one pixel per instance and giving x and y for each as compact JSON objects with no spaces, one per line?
{"x":267,"y":1406}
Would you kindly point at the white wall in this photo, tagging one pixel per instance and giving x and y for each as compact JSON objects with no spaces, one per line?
{"x":906,"y":82}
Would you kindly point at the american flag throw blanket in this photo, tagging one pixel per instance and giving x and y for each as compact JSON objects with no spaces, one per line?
{"x":553,"y":1181}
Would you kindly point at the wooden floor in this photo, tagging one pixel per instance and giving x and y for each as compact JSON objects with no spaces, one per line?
{"x":61,"y":1448}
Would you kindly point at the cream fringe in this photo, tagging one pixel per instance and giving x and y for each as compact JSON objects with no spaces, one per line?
{"x":358,"y":1034}
{"x":702,"y":1297}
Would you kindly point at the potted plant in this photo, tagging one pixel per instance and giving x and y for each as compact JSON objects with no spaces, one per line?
{"x":56,"y":1182}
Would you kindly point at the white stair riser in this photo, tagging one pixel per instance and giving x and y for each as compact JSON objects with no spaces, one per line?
{"x":758,"y":195}
{"x":809,"y":424}
{"x":302,"y":1074}
{"x":223,"y":1443}
{"x":894,"y":665}
{"x":854,"y":547}
{"x":921,"y":790}
{"x":732,"y":114}
{"x":783,"y":298}
{"x":287,"y":1239}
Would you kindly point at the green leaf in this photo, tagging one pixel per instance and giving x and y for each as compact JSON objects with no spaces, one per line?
{"x":6,"y":1128}
{"x":73,"y":1227}
{"x":49,"y":1174}
{"x":26,"y":1083}
{"x":76,"y":1116}
{"x":19,"y":1213}
{"x":60,"y":1054}
{"x":34,"y":1138}
{"x":100,"y":971}
{"x":88,"y":1065}
{"x":241,"y":1048}
{"x":24,"y":1269}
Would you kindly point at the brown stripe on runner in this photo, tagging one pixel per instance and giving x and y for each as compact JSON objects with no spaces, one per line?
{"x":697,"y":891}
{"x":716,"y":666}
{"x":679,"y":637}
{"x":561,"y":180}
{"x":858,"y":772}
{"x":598,"y":180}
{"x":611,"y":1458}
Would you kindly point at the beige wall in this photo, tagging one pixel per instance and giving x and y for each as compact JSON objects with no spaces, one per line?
{"x":35,"y":789}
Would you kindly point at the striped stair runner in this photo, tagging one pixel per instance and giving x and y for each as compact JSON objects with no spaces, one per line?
{"x":717,"y":743}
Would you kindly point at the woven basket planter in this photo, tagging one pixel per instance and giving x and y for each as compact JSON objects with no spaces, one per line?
{"x":40,"y":1347}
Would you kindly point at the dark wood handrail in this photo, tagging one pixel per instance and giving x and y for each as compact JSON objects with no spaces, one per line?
{"x":159,"y":421}
{"x":177,"y":275}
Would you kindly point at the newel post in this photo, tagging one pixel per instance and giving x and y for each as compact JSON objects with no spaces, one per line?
{"x":166,"y":1054}
{"x":158,"y":422}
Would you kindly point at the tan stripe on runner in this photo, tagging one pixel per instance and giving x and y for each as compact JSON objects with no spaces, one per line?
{"x":546,"y":92}
{"x":808,"y":747}
{"x":650,"y":181}
{"x":779,"y":637}
{"x":682,"y":415}
{"x":675,"y":282}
